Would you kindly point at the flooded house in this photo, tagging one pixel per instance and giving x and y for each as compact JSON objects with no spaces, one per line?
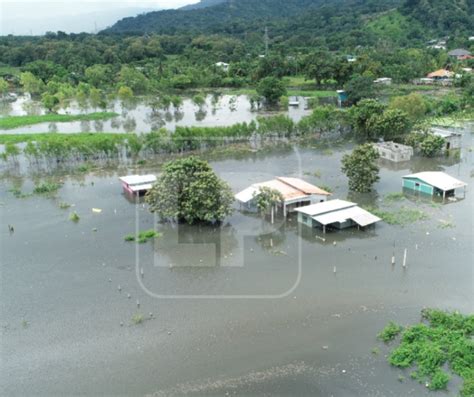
{"x":452,"y":139}
{"x":137,"y":184}
{"x":336,"y":214}
{"x":295,"y":192}
{"x":395,"y":152}
{"x":433,"y":183}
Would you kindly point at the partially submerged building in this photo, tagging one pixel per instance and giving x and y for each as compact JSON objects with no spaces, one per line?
{"x":137,"y":184}
{"x":433,"y":183}
{"x":295,"y":192}
{"x":453,"y":139}
{"x":395,"y":152}
{"x":338,"y":214}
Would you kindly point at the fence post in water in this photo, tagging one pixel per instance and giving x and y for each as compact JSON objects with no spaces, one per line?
{"x":405,"y":258}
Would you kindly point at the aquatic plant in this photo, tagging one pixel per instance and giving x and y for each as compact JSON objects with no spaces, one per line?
{"x":63,"y":205}
{"x":402,"y":216}
{"x":441,"y":340}
{"x":390,"y":332}
{"x":47,"y":188}
{"x":394,"y":197}
{"x":143,"y":237}
{"x":74,"y":217}
{"x":138,"y":319}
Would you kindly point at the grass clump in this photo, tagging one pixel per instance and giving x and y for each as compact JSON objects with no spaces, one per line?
{"x":445,"y":224}
{"x":11,"y":122}
{"x":47,"y":188}
{"x":390,"y":332}
{"x":143,"y":237}
{"x":63,"y":205}
{"x":391,"y":197}
{"x":403,"y":216}
{"x":74,"y":217}
{"x":138,"y":319}
{"x":441,"y":340}
{"x":18,"y":193}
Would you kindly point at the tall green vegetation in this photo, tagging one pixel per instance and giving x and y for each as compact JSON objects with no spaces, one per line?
{"x":267,"y":199}
{"x":188,"y":190}
{"x":4,"y":86}
{"x":361,"y":168}
{"x":441,"y":339}
{"x":272,"y":89}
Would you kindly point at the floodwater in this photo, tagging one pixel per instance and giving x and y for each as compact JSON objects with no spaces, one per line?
{"x":280,"y":321}
{"x":223,"y":110}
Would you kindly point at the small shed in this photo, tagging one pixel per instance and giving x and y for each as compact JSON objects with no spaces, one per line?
{"x":296,"y":193}
{"x":453,"y":139}
{"x":137,"y":184}
{"x":395,"y":152}
{"x":339,"y":214}
{"x":433,"y":183}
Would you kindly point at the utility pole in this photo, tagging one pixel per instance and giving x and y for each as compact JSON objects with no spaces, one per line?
{"x":266,"y":40}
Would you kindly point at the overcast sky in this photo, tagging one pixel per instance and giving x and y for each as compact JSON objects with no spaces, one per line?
{"x":37,"y":16}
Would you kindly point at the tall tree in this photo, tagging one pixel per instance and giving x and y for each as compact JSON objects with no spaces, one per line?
{"x":189,"y":191}
{"x":361,"y":168}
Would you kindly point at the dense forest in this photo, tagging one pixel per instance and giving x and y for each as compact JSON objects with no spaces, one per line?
{"x":303,"y":21}
{"x":327,"y":44}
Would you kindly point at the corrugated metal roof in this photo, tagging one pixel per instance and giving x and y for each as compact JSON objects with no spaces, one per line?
{"x":246,"y":195}
{"x":357,"y":214}
{"x":289,"y":188}
{"x":132,"y":180}
{"x":304,"y":186}
{"x":327,"y":206}
{"x":439,"y":180}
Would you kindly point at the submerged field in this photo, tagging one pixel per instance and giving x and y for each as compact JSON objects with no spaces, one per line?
{"x":78,"y":317}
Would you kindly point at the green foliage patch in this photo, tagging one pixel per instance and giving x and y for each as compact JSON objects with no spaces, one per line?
{"x":11,"y":122}
{"x":143,"y":236}
{"x":441,"y":339}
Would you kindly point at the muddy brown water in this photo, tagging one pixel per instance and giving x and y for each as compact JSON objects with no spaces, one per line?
{"x":224,"y":110}
{"x":61,"y":309}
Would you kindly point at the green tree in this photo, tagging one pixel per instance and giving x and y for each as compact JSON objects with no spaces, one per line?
{"x":361,"y":168}
{"x":3,"y":86}
{"x":97,"y":98}
{"x":272,"y":89}
{"x":362,"y":114}
{"x":431,"y":145}
{"x":414,"y":105}
{"x":189,"y":190}
{"x":30,"y":83}
{"x":391,"y":124}
{"x":125,"y":93}
{"x":98,"y":75}
{"x":133,"y":78}
{"x":360,"y":87}
{"x":321,"y":66}
{"x":49,"y":101}
{"x":267,"y":199}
